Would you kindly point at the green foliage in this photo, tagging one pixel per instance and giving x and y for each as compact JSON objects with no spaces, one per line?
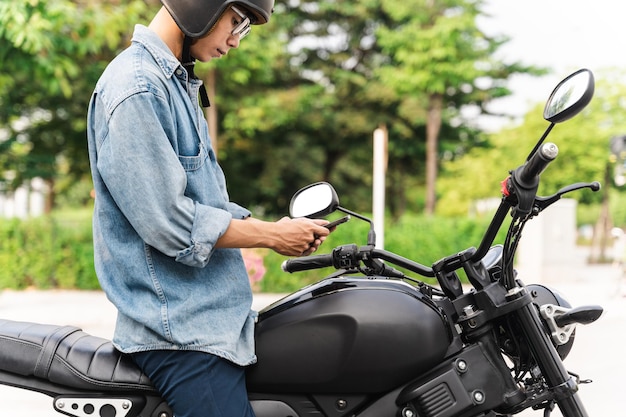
{"x":583,"y":153}
{"x":47,"y":39}
{"x":47,"y":252}
{"x":57,"y":251}
{"x":299,"y":100}
{"x":51,"y":54}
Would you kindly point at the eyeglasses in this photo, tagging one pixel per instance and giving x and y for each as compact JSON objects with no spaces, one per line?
{"x":242,"y":28}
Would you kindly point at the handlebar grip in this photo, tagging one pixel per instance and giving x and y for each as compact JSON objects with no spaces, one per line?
{"x":537,"y":164}
{"x":306,"y":263}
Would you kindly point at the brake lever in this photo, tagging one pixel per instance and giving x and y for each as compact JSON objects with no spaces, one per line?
{"x":541,"y":203}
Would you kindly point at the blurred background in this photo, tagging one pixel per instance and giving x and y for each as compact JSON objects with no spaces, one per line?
{"x":457,"y":87}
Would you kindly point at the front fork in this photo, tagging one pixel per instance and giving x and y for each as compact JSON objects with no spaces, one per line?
{"x":558,"y":379}
{"x":490,"y":301}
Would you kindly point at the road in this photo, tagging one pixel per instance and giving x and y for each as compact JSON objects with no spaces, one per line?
{"x":596,"y":354}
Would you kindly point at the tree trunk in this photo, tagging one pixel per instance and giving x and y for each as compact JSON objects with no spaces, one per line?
{"x":433,"y":126}
{"x":50,"y":196}
{"x":602,"y":229}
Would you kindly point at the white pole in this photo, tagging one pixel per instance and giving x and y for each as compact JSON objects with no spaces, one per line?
{"x":378,"y":192}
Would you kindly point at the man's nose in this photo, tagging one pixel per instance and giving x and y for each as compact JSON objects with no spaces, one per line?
{"x":233,"y":41}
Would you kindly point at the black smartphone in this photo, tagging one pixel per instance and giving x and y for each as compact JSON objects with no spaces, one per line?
{"x":337,"y":222}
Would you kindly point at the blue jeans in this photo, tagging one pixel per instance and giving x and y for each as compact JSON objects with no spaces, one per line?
{"x":197,"y":384}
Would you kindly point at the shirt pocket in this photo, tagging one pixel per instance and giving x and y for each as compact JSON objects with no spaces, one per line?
{"x":194,"y":163}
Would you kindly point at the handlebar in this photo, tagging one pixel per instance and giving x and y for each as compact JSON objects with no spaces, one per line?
{"x":309,"y":262}
{"x":524,"y":181}
{"x":527,"y":176}
{"x":350,"y":257}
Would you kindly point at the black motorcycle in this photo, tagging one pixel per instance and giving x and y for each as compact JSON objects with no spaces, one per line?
{"x":371,"y":339}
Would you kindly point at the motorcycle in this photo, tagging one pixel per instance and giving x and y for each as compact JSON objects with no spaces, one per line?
{"x":372,"y":339}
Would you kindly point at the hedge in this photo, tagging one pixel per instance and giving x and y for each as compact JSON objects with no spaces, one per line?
{"x":47,"y":252}
{"x":56,"y":251}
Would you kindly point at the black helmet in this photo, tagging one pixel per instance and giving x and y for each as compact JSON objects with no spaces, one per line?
{"x":196,"y":17}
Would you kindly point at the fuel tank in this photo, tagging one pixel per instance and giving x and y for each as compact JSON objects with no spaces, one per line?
{"x":348,"y":335}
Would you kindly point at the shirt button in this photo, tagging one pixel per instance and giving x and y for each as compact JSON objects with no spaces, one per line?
{"x":179,"y":71}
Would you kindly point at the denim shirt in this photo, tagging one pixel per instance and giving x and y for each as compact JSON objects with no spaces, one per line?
{"x":161,"y":204}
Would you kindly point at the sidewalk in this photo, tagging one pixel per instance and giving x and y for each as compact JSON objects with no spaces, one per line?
{"x":596,"y":354}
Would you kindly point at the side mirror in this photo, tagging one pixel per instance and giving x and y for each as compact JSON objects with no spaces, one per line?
{"x":569,"y":97}
{"x":314,"y":201}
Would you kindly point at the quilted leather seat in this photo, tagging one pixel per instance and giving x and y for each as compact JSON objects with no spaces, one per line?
{"x":68,"y":356}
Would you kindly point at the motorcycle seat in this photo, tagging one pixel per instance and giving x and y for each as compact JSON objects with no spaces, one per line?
{"x":68,"y":356}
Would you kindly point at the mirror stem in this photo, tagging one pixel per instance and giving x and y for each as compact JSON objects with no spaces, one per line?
{"x":371,"y":236}
{"x":543,"y":137}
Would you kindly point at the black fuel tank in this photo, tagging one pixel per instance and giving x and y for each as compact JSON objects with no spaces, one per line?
{"x":348,"y":335}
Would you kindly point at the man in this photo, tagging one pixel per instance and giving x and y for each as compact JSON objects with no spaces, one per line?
{"x":166,"y":236}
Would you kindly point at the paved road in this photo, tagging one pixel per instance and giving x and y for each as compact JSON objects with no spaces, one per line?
{"x":597,"y":353}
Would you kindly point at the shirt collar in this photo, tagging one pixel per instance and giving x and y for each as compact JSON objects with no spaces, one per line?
{"x":157,"y":48}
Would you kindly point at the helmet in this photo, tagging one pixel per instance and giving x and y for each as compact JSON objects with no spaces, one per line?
{"x":196,"y":17}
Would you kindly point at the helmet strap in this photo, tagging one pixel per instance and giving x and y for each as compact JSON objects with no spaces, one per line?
{"x":189,"y":63}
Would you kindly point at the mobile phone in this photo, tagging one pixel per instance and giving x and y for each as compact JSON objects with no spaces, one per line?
{"x":337,"y":222}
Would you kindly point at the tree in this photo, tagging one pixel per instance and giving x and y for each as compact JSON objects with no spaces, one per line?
{"x":341,"y":70}
{"x":284,"y":120}
{"x":52,"y":52}
{"x":436,"y":50}
{"x":298,"y":102}
{"x":583,"y":151}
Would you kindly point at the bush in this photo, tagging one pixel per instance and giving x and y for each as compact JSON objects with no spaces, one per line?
{"x":47,"y":252}
{"x":57,"y":251}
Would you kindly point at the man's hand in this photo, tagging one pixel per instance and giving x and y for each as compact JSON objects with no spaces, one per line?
{"x":289,"y":237}
{"x":300,"y":237}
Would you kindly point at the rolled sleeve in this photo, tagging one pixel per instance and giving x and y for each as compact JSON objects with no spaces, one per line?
{"x":208,"y":226}
{"x":237,"y":211}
